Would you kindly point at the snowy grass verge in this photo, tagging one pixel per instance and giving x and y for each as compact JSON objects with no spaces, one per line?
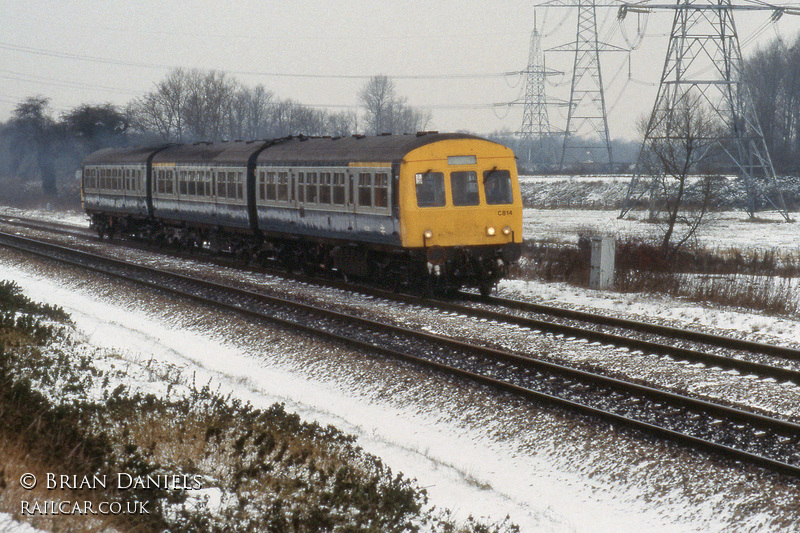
{"x":250,"y":469}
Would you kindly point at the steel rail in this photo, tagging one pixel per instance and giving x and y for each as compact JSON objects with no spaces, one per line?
{"x":755,"y":420}
{"x":591,"y":335}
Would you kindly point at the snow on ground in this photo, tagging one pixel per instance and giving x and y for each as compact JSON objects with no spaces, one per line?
{"x":73,"y":218}
{"x":723,"y":230}
{"x":466,"y":468}
{"x":9,"y":525}
{"x":753,"y":325}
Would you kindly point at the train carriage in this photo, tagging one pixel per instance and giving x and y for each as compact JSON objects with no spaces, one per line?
{"x":441,"y":208}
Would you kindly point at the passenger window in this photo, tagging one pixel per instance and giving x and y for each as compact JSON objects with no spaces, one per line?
{"x":381,"y":189}
{"x":325,"y":187}
{"x":301,"y":187}
{"x":338,"y":188}
{"x":311,"y":187}
{"x":283,"y":186}
{"x":430,"y":189}
{"x":464,"y":186}
{"x":365,"y":189}
{"x":239,"y":186}
{"x":231,"y":185}
{"x":262,"y":185}
{"x":168,"y":183}
{"x":222,"y":184}
{"x":271,"y":186}
{"x":497,"y":187}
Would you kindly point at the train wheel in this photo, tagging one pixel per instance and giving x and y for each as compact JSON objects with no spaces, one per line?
{"x":485,"y":289}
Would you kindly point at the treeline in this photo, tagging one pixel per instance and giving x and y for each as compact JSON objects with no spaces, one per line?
{"x":773,"y":73}
{"x":186,"y":106}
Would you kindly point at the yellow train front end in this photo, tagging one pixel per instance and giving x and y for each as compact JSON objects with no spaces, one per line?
{"x":460,"y":206}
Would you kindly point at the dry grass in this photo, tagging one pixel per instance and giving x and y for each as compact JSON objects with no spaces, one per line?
{"x":18,"y":460}
{"x":273,"y":471}
{"x":759,"y":280}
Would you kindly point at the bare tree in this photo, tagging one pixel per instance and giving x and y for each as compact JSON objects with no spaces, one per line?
{"x":161,"y":111}
{"x":212,"y":106}
{"x":388,"y":113}
{"x":33,"y":136}
{"x":251,"y":113}
{"x":681,"y":154}
{"x":341,"y":124}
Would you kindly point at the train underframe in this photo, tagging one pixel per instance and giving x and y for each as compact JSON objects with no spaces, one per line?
{"x":429,"y":270}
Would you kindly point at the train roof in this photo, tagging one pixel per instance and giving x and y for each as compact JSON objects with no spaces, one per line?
{"x":125,"y":155}
{"x":287,"y":151}
{"x":342,"y":150}
{"x":220,"y":153}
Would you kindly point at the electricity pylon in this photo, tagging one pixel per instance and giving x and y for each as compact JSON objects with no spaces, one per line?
{"x":587,"y":121}
{"x":535,"y":128}
{"x":704,"y":68}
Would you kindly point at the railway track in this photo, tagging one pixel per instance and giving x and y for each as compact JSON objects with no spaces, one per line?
{"x":743,"y":435}
{"x":646,"y":339}
{"x":653,"y":339}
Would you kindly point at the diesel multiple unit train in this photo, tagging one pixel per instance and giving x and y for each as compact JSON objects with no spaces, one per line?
{"x":441,"y":209}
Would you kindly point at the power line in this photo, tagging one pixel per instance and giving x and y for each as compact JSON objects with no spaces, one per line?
{"x":156,"y":66}
{"x":29,"y":78}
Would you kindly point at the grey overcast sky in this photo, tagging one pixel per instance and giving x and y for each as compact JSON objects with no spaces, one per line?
{"x":316,"y":52}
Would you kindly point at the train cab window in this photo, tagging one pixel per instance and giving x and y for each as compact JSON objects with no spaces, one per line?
{"x":430,"y":189}
{"x":311,"y":187}
{"x":325,"y":188}
{"x":497,"y":187}
{"x":464,"y":186}
{"x":365,"y":189}
{"x":283,"y":186}
{"x":381,"y":189}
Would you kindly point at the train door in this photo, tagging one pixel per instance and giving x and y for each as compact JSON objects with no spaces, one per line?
{"x":214,"y":197}
{"x":352,"y":205}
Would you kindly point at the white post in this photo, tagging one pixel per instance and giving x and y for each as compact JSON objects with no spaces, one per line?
{"x":601,"y":275}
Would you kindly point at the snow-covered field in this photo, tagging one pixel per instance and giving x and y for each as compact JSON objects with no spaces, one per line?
{"x":476,"y":453}
{"x":723,"y":231}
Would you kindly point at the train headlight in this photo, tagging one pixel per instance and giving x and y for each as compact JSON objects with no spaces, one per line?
{"x":428,"y":234}
{"x":490,"y":231}
{"x":507,"y":230}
